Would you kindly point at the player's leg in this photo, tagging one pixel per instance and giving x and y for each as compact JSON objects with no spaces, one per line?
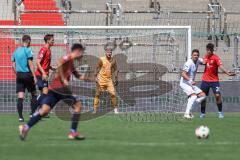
{"x":216,"y":90}
{"x":74,"y":124}
{"x":37,"y":116}
{"x":43,"y":88}
{"x":46,"y":104}
{"x":96,"y":98}
{"x":191,"y":99}
{"x":20,"y":89}
{"x":20,"y":106}
{"x":200,"y":94}
{"x":34,"y":103}
{"x":205,"y":88}
{"x":112,"y":92}
{"x":29,"y":83}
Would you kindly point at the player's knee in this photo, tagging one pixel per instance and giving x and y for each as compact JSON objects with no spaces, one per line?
{"x":97,"y":95}
{"x":77,"y":107}
{"x":45,"y":90}
{"x":21,"y":95}
{"x":193,"y":96}
{"x":202,"y":94}
{"x":112,"y":94}
{"x":45,"y":109}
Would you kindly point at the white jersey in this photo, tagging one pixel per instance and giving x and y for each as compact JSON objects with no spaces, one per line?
{"x":191,"y":68}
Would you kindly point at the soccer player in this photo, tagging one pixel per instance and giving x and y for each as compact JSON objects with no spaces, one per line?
{"x":187,"y":83}
{"x":210,"y":79}
{"x":22,"y":63}
{"x":58,"y":90}
{"x":44,"y":65}
{"x":106,"y":68}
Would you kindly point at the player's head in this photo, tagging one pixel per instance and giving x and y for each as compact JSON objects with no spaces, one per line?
{"x":108,"y":52}
{"x":26,"y":40}
{"x":49,"y":39}
{"x":77,"y":50}
{"x":195,"y":54}
{"x":210,"y":48}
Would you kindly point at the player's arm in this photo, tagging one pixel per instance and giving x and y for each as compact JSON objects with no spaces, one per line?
{"x":30,"y":64}
{"x":52,"y":68}
{"x":41,"y":55}
{"x":115,"y":72}
{"x":222,"y":68}
{"x":225,"y":71}
{"x":13,"y":64}
{"x":60,"y":64}
{"x":184,"y":74}
{"x":39,"y":66}
{"x":80,"y":76}
{"x":14,"y":67}
{"x":31,"y":67}
{"x":202,"y":61}
{"x":97,"y":70}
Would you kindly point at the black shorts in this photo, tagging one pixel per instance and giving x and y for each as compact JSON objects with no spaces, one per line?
{"x":25,"y":81}
{"x":53,"y":97}
{"x":41,"y":83}
{"x":205,"y":87}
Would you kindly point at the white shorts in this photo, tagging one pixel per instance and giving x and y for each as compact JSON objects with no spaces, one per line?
{"x":190,"y":89}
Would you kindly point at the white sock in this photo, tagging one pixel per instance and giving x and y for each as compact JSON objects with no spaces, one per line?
{"x":190,"y":103}
{"x":200,"y":99}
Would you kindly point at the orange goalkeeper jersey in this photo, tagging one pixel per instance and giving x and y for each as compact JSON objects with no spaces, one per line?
{"x":105,"y":73}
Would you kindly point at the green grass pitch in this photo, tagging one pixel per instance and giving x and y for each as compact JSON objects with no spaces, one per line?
{"x":109,"y":138}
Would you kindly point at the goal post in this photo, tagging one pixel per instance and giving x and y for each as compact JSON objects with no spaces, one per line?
{"x":149,"y":60}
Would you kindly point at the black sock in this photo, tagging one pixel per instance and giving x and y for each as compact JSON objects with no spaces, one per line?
{"x":34,"y":120}
{"x":203,"y":107}
{"x":34,"y":104}
{"x":20,"y":107}
{"x":219,"y":107}
{"x":75,"y":119}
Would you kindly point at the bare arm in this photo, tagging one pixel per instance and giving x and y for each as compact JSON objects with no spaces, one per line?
{"x":115,"y":70}
{"x":41,"y":69}
{"x":60,"y":64}
{"x":225,"y":71}
{"x":14,"y":67}
{"x":99,"y":65}
{"x":187,"y":78}
{"x":52,"y":68}
{"x":31,"y":66}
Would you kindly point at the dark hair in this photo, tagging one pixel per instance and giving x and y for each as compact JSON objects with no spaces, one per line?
{"x":77,"y":46}
{"x":26,"y":38}
{"x":195,"y":50}
{"x":47,"y":37}
{"x":210,"y":46}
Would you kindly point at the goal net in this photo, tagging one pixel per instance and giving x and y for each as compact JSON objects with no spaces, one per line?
{"x":149,"y":60}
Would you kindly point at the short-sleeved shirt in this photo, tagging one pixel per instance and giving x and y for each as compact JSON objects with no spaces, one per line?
{"x":105,"y":73}
{"x":21,"y":57}
{"x":44,"y":56}
{"x":67,"y":68}
{"x":191,"y":68}
{"x":211,"y":69}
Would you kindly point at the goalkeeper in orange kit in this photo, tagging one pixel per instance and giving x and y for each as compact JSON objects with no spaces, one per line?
{"x":105,"y":70}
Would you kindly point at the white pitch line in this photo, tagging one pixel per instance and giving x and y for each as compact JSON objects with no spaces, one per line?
{"x":122,"y":143}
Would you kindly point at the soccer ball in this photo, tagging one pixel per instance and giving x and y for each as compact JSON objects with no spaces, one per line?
{"x":202,"y":132}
